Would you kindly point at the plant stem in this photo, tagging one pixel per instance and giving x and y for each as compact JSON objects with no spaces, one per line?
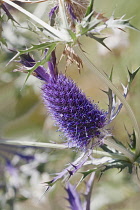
{"x":34,"y":144}
{"x":114,"y":156}
{"x":62,"y":13}
{"x":108,"y":142}
{"x":65,"y":26}
{"x":120,"y":148}
{"x":0,"y":25}
{"x":104,"y":78}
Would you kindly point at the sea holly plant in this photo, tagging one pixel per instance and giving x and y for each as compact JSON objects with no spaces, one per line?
{"x":83,"y":123}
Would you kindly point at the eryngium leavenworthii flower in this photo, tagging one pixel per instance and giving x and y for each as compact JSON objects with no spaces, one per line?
{"x":77,"y":117}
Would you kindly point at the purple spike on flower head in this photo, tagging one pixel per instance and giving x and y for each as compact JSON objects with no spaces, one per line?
{"x":76,"y":116}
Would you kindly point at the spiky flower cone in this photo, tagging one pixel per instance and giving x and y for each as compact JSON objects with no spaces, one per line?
{"x":77,"y":117}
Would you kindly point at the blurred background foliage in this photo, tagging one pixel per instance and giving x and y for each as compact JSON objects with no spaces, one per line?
{"x":23,"y":116}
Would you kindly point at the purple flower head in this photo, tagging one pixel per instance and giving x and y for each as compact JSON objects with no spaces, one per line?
{"x":77,"y":117}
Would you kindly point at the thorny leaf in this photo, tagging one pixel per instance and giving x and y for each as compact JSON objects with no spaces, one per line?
{"x":132,"y":139}
{"x":87,"y":26}
{"x":114,"y":105}
{"x":98,"y":163}
{"x":118,"y":164}
{"x":39,"y":63}
{"x":88,"y":193}
{"x":119,"y":23}
{"x":73,"y":198}
{"x":73,"y":35}
{"x":118,"y":142}
{"x":70,"y":170}
{"x":132,"y":75}
{"x":113,"y":23}
{"x":30,"y":70}
{"x":106,"y":149}
{"x":10,"y":17}
{"x":94,"y":23}
{"x":99,"y":39}
{"x":88,"y":172}
{"x":89,"y":9}
{"x":41,"y":46}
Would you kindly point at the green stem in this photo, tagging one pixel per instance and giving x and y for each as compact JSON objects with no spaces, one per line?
{"x":62,"y":13}
{"x":65,"y":25}
{"x":34,"y":144}
{"x":104,"y":78}
{"x":111,"y":155}
{"x":110,"y":143}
